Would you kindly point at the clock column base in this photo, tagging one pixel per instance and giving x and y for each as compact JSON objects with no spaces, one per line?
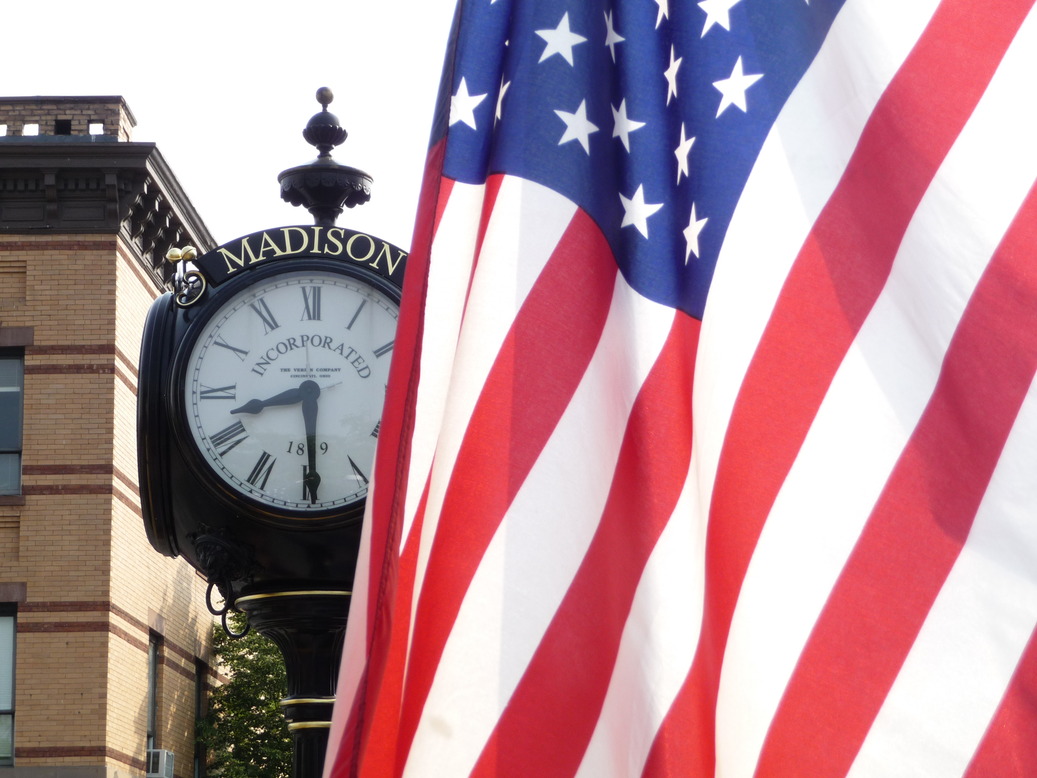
{"x":309,"y":628}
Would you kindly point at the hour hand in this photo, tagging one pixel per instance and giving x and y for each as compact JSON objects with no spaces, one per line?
{"x":288,"y":397}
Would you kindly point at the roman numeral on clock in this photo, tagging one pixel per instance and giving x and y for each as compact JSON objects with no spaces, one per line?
{"x":229,"y":437}
{"x":266,"y":315}
{"x":261,"y":470}
{"x":311,"y":303}
{"x":357,"y":471}
{"x":381,"y":351}
{"x":356,"y":314}
{"x":240,"y":353}
{"x":218,"y":392}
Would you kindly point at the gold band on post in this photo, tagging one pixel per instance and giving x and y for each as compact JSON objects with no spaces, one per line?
{"x":309,"y":725}
{"x":308,"y":593}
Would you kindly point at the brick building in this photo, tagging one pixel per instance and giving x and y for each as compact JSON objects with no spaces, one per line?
{"x":103,"y":642}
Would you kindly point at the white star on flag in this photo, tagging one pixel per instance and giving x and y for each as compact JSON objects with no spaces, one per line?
{"x":611,"y":36}
{"x":681,"y":152}
{"x":560,"y":40}
{"x":664,"y":11}
{"x":732,"y":89}
{"x":691,"y":235}
{"x":636,"y":211}
{"x":671,"y":76}
{"x":717,"y":12}
{"x":624,"y":125}
{"x":500,"y":98}
{"x":577,"y":127}
{"x":462,"y":105}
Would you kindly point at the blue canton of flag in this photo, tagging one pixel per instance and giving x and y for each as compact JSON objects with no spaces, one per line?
{"x":648,"y":117}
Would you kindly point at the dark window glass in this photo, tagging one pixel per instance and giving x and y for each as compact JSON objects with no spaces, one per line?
{"x":11,"y":370}
{"x":7,"y":630}
{"x":154,"y":645}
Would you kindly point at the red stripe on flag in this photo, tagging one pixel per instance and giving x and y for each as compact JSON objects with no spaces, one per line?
{"x":446,"y":186}
{"x":392,"y":459}
{"x":533,"y":378}
{"x":377,"y":752}
{"x":435,"y":194}
{"x":393,"y":454}
{"x":833,"y":284}
{"x":545,"y":728}
{"x":919,"y":525}
{"x":1009,"y":747}
{"x":374,"y":740}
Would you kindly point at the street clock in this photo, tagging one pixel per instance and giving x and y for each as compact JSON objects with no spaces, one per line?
{"x":261,"y":383}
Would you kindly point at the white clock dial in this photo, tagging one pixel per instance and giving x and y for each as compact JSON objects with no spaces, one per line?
{"x":284,"y":388}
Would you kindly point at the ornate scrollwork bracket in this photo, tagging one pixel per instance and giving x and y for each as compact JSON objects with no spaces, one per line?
{"x":188,"y":285}
{"x":223,"y":561}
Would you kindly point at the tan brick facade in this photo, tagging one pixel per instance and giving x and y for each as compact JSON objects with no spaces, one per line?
{"x":89,"y":588}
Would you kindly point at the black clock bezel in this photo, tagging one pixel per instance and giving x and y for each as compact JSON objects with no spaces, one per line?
{"x":177,"y":396}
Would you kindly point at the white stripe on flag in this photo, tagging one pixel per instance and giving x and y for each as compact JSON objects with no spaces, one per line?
{"x":539,"y":545}
{"x":443,"y":309}
{"x":657,"y":647}
{"x":798,"y":168}
{"x":526,"y":224}
{"x":965,"y":655}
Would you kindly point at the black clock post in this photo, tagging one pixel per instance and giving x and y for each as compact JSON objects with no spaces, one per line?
{"x":262,"y":378}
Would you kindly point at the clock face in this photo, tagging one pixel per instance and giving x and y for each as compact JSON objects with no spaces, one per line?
{"x":284,"y":389}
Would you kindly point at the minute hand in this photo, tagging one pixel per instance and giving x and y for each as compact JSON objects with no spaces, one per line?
{"x":288,"y":397}
{"x":310,"y":392}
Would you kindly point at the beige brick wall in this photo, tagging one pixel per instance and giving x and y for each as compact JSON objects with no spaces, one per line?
{"x":162,"y":592}
{"x":94,"y":586}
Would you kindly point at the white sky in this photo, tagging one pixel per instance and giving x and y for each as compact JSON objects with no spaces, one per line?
{"x":225,"y":87}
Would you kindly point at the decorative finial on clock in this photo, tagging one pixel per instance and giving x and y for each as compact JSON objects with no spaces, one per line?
{"x":324,"y":130}
{"x":324,"y":186}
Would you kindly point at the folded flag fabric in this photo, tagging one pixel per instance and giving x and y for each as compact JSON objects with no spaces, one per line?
{"x":710,"y":446}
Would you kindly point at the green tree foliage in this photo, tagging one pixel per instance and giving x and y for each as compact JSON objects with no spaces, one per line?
{"x":244,"y":732}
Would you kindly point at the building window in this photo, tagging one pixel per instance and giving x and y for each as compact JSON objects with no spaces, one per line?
{"x":7,"y":616}
{"x":154,"y":658}
{"x":201,"y":687}
{"x":12,"y":368}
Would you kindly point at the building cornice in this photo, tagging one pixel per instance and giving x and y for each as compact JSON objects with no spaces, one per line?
{"x":92,"y":184}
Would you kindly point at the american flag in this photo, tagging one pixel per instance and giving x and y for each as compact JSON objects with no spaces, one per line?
{"x":709,"y":446}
